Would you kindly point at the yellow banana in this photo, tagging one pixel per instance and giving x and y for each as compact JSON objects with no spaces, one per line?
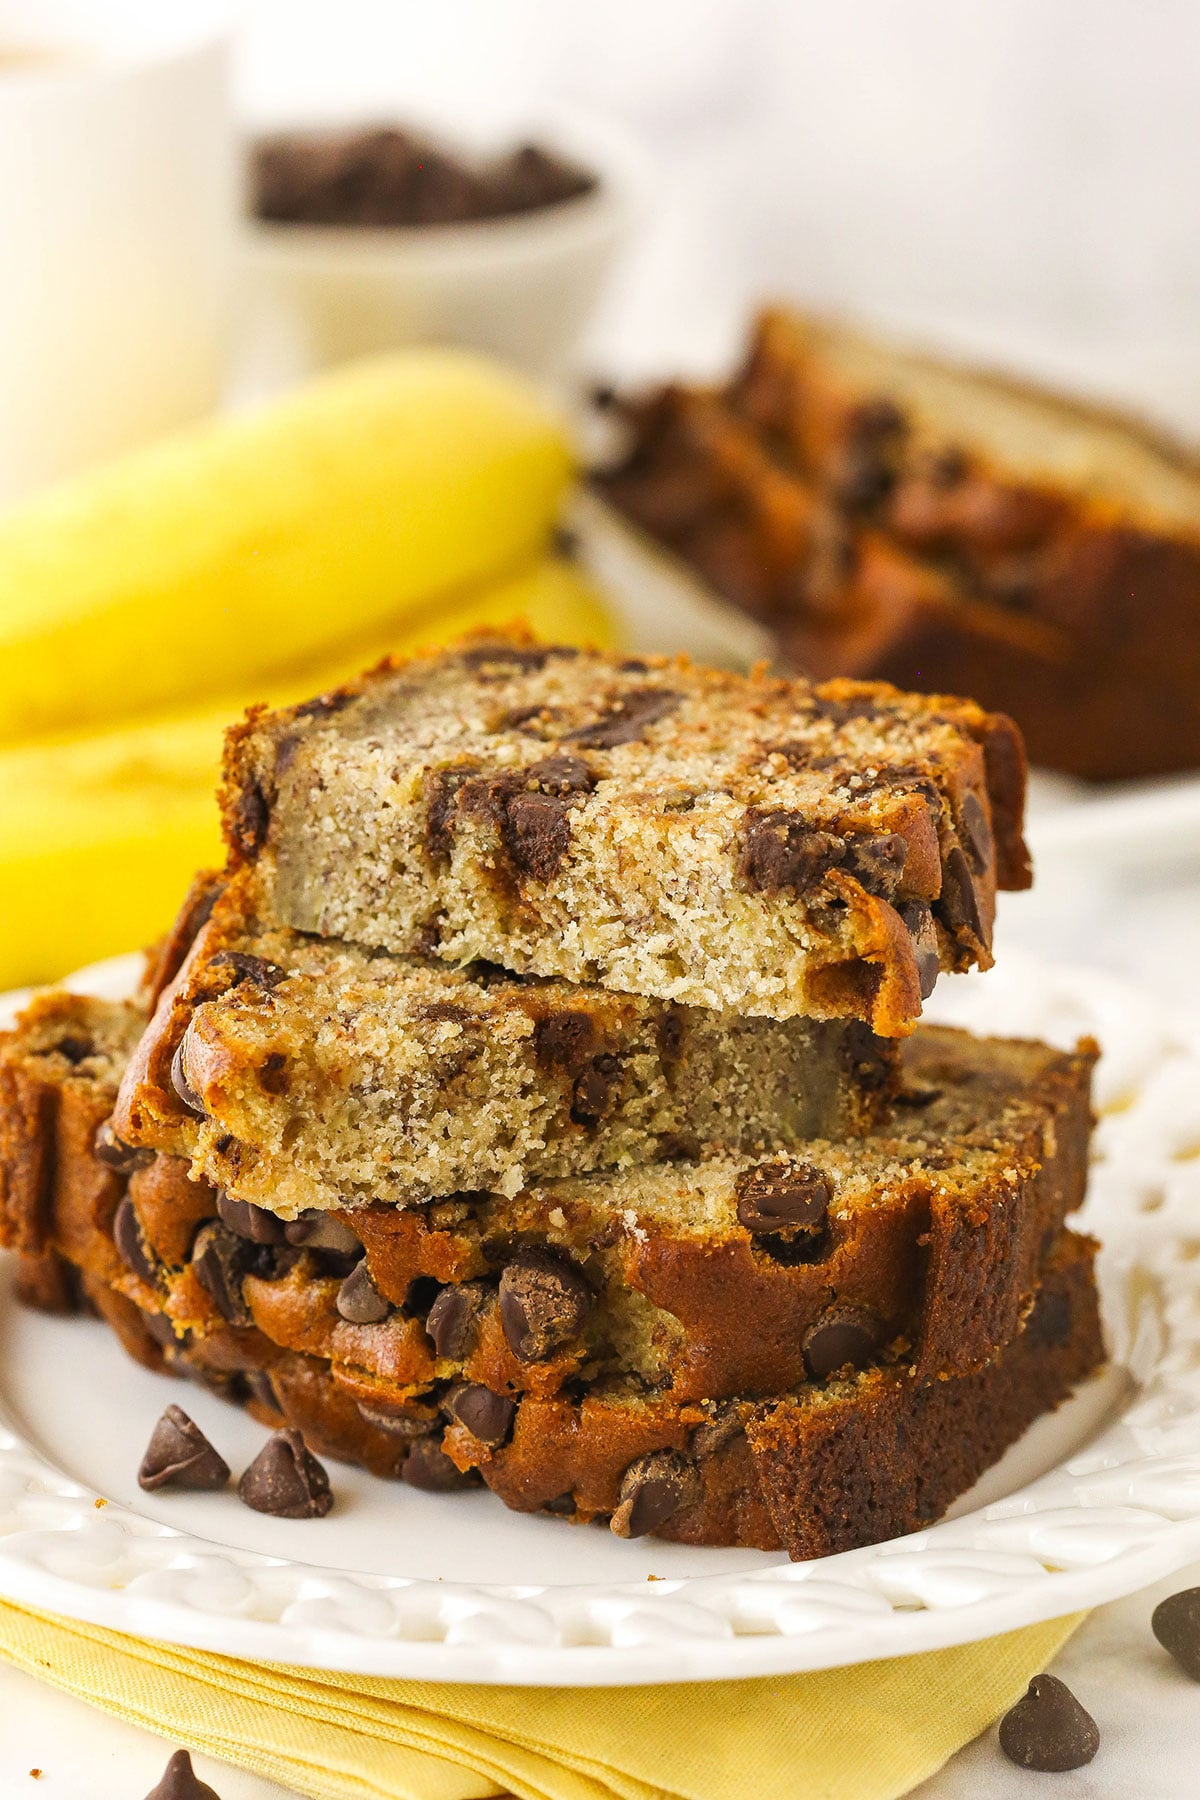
{"x":256,"y":543}
{"x":101,"y":832}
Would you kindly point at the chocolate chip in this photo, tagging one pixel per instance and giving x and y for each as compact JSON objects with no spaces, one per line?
{"x":845,"y":1335}
{"x":319,"y":1230}
{"x":780,"y":850}
{"x":1049,"y":1323}
{"x":877,"y":863}
{"x":114,"y":1153}
{"x":131,"y":1246}
{"x":975,"y":832}
{"x":561,"y":1507}
{"x":179,"y":1455}
{"x":180,"y":1782}
{"x":75,"y":1049}
{"x":251,"y":819}
{"x":182,"y":1086}
{"x":874,"y":419}
{"x":593,"y":1091}
{"x":359,"y":1301}
{"x":668,"y":1032}
{"x":1175,"y":1622}
{"x":259,"y":1383}
{"x":561,"y":775}
{"x":627,"y":720}
{"x":782,"y":1196}
{"x":446,"y":1012}
{"x":429,"y":1468}
{"x":653,"y":1489}
{"x":862,"y":478}
{"x":1048,"y":1729}
{"x":401,"y":1425}
{"x":286,"y":1480}
{"x":722,"y":1426}
{"x":454,"y":1318}
{"x":537,"y":833}
{"x":324,"y":705}
{"x":161,"y":1329}
{"x":958,"y":906}
{"x":255,"y":969}
{"x":544,"y":1301}
{"x":254,"y":1223}
{"x":944,"y":468}
{"x":220,"y":1261}
{"x":486,"y":1415}
{"x":917,"y":919}
{"x":441,"y":801}
{"x":526,"y":658}
{"x":564,"y":1040}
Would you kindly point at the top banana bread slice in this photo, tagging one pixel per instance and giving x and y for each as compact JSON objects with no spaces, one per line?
{"x":656,"y":828}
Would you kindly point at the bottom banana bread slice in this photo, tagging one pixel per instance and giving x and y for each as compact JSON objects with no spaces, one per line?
{"x":825,"y":1468}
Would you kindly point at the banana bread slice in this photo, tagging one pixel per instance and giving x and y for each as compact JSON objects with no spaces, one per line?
{"x":298,"y":1072}
{"x":658,"y":828}
{"x":825,"y":1468}
{"x":698,"y":1280}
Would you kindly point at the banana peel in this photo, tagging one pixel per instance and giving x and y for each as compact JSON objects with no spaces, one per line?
{"x":101,"y":832}
{"x":259,"y":542}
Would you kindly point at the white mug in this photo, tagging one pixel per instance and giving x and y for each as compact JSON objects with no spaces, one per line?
{"x":118,"y":197}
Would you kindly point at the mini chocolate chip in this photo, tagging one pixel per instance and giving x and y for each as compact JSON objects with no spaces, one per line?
{"x":254,"y":1223}
{"x":486,"y":1415}
{"x":220,"y":1262}
{"x":446,"y":1012}
{"x":593,"y":1092}
{"x":877,"y":863}
{"x":722,"y":1426}
{"x":454,"y":1318}
{"x":359,"y":1301}
{"x":627,"y":720}
{"x":429,"y":1468}
{"x":782,"y":1196}
{"x":564,"y":1040}
{"x":182,"y":1086}
{"x":781,"y":850}
{"x":1048,"y":1729}
{"x":179,"y":1455}
{"x":1175,"y":1622}
{"x":668,"y":1032}
{"x":917,"y":918}
{"x":180,"y":1782}
{"x":251,"y":820}
{"x":654,"y":1488}
{"x":975,"y":832}
{"x":255,"y":969}
{"x":958,"y":906}
{"x":845,"y":1335}
{"x":537,"y":833}
{"x":114,"y":1153}
{"x":286,"y":1480}
{"x":131,"y":1246}
{"x":319,"y":1230}
{"x":544,"y":1301}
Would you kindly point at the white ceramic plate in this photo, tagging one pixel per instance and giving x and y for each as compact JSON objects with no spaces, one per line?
{"x":1096,"y":1501}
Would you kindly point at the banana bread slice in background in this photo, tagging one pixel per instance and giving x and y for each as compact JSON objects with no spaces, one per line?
{"x":651,"y":826}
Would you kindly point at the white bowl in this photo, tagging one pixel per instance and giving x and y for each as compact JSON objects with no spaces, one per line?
{"x":521,"y":287}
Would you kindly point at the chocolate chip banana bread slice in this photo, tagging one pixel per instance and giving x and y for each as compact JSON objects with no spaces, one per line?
{"x":698,"y":1280}
{"x":657,"y":828}
{"x":828,"y":1467}
{"x":298,"y":1072}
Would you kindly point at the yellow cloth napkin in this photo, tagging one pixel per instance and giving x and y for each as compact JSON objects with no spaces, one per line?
{"x":870,"y":1732}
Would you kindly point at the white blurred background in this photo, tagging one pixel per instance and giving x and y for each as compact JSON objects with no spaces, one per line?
{"x":1019,"y":179}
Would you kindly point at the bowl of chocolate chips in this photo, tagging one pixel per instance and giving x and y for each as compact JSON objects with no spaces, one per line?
{"x":361,"y":238}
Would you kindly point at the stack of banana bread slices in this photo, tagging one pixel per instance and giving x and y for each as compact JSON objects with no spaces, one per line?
{"x":535,"y":1099}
